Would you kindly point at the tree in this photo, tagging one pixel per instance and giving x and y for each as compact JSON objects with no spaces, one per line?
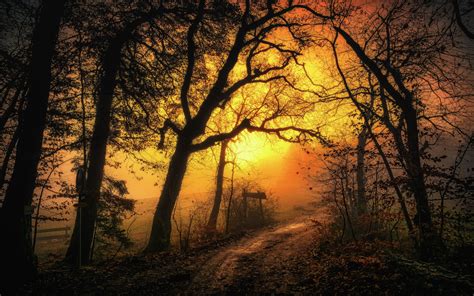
{"x":410,"y":154}
{"x":113,"y":209}
{"x":16,"y":211}
{"x":366,"y":113}
{"x":110,"y":64}
{"x":405,"y":57}
{"x":361,"y":143}
{"x":219,"y":186}
{"x":249,"y":109}
{"x":251,"y":39}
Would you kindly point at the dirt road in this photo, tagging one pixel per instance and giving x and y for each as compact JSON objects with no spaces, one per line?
{"x":276,"y":260}
{"x":273,"y":260}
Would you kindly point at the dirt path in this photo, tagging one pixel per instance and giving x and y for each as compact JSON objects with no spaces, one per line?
{"x":277,"y":260}
{"x":274,"y":260}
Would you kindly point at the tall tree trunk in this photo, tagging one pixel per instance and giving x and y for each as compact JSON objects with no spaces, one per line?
{"x":219,"y":186}
{"x":161,"y":226}
{"x":97,"y":153}
{"x":428,"y":236}
{"x":17,"y":254}
{"x":231,"y":196}
{"x":98,"y":147}
{"x":360,"y":173}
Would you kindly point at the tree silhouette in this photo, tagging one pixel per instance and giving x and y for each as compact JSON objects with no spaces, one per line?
{"x":251,"y":40}
{"x":16,"y":212}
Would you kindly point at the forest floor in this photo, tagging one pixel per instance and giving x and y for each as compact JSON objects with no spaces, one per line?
{"x":288,"y":258}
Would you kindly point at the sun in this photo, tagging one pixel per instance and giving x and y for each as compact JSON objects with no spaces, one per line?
{"x":257,"y":147}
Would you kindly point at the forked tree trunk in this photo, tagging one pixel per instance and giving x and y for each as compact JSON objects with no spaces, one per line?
{"x":161,"y":225}
{"x":17,"y":254}
{"x":194,"y":127}
{"x":212,"y":223}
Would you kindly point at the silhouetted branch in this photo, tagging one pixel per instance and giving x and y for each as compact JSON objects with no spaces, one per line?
{"x":166,"y":126}
{"x":191,"y":61}
{"x":212,"y":140}
{"x":300,"y":137}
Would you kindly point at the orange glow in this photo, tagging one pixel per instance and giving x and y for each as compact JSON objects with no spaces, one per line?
{"x":261,"y":156}
{"x":257,"y":147}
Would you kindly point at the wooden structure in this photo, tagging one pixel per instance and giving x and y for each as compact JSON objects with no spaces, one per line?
{"x":257,"y":195}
